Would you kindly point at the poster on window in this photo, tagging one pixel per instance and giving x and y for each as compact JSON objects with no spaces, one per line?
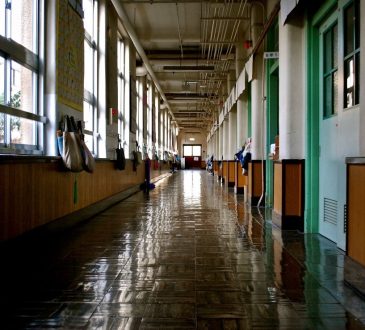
{"x":133,"y":102}
{"x":70,"y":56}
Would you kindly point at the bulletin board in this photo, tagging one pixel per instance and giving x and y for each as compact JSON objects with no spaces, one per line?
{"x":70,"y":56}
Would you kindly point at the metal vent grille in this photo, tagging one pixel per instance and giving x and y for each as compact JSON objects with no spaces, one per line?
{"x":345,"y":218}
{"x":330,"y":211}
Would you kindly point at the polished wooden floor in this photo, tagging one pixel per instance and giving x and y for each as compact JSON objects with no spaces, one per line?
{"x":188,"y":255}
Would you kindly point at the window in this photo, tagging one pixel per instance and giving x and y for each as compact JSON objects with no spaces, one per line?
{"x":21,"y":122}
{"x":188,"y":151}
{"x":90,"y":74}
{"x":149,"y":116}
{"x":330,"y":67}
{"x":139,"y":133}
{"x":123,"y":92}
{"x":197,"y":151}
{"x":192,"y":150}
{"x":351,"y":54}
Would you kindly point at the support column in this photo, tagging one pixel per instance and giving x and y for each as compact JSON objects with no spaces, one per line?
{"x":242,"y":121}
{"x":232,"y":129}
{"x":220,"y":155}
{"x":216,"y":148}
{"x":289,"y":171}
{"x":291,"y":95}
{"x":257,"y":110}
{"x":225,"y":147}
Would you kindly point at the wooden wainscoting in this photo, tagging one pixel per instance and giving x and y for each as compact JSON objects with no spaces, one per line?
{"x":215,"y":167}
{"x":224,"y":171}
{"x":356,"y":209}
{"x":240,"y":180}
{"x":288,"y":212}
{"x":35,"y":193}
{"x":255,"y":181}
{"x":231,"y":173}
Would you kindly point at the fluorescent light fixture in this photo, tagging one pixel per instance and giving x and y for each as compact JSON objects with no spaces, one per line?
{"x":191,"y":139}
{"x":188,"y":68}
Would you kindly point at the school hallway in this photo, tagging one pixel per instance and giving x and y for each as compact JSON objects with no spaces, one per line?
{"x":188,"y":255}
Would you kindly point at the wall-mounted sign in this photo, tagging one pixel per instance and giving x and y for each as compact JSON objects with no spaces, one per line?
{"x":271,"y":55}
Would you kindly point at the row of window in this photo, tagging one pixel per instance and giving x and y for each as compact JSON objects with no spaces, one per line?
{"x":21,"y":118}
{"x":350,"y":34}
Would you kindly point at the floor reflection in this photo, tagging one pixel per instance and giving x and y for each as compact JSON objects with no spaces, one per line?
{"x":190,"y":255}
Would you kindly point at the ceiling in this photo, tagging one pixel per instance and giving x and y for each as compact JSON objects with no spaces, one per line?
{"x":190,"y":46}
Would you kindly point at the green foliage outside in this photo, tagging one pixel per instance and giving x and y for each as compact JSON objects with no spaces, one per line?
{"x":15,"y":102}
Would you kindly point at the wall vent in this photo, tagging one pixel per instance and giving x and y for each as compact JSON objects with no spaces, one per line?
{"x":330,"y":211}
{"x":345,"y":218}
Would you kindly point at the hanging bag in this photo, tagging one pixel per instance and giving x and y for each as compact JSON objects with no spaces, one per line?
{"x":138,"y":155}
{"x":71,"y":155}
{"x":120,"y":163}
{"x":87,"y":157}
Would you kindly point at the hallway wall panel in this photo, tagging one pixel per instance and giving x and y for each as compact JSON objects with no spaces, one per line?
{"x":35,"y":193}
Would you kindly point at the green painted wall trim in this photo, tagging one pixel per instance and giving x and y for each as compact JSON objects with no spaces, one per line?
{"x":311,"y":212}
{"x":272,"y":110}
{"x":311,"y":221}
{"x":320,"y":15}
{"x":272,"y":124}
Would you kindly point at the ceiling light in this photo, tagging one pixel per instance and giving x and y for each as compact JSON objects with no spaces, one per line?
{"x":188,"y":68}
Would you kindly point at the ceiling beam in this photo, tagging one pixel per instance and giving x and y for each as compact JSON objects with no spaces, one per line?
{"x":132,"y":33}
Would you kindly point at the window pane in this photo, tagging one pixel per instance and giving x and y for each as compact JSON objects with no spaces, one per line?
{"x":2,"y":80}
{"x":22,"y":31}
{"x":89,"y":15}
{"x":327,"y":51}
{"x":334,"y":93}
{"x":349,"y":83}
{"x":349,"y":29}
{"x":197,"y":151}
{"x":88,"y":116}
{"x":357,"y":78}
{"x":22,"y":131}
{"x":327,"y":93}
{"x":21,"y":87}
{"x":2,"y":17}
{"x":188,"y":151}
{"x":89,"y":68}
{"x":335,"y":46}
{"x":357,"y":25}
{"x":2,"y":128}
{"x":89,"y":142}
{"x":2,"y":97}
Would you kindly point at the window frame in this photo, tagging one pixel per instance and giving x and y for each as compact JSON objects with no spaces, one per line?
{"x":330,"y":73}
{"x":91,"y":97}
{"x":10,"y":50}
{"x":355,"y":52}
{"x":192,"y":150}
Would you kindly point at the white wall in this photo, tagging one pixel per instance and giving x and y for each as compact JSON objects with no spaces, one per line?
{"x":257,"y":111}
{"x":362,"y":81}
{"x":292,"y":91}
{"x":200,"y":138}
